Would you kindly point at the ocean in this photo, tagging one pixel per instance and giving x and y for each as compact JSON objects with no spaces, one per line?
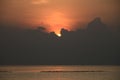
{"x":60,"y":72}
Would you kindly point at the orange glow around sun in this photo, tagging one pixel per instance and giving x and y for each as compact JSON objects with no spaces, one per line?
{"x":56,"y":21}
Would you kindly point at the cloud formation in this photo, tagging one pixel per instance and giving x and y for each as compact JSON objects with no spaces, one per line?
{"x":39,"y":1}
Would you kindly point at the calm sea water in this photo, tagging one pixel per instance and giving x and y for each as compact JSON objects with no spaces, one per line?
{"x":59,"y":72}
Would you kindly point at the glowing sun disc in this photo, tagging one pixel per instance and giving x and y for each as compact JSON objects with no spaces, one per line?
{"x":59,"y":35}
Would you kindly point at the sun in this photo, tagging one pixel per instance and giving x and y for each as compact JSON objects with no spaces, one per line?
{"x":59,"y":35}
{"x":56,"y":21}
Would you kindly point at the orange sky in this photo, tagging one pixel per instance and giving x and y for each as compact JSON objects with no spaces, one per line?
{"x":57,"y":14}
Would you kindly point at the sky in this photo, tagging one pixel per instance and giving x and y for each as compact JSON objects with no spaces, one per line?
{"x":23,"y":41}
{"x":57,"y":14}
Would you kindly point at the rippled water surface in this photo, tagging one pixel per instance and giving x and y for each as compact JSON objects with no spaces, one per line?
{"x":59,"y":73}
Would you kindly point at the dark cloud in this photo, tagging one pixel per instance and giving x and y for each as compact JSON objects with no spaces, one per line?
{"x":94,"y":45}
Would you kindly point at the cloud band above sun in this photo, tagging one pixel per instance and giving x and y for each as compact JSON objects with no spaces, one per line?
{"x":39,"y":1}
